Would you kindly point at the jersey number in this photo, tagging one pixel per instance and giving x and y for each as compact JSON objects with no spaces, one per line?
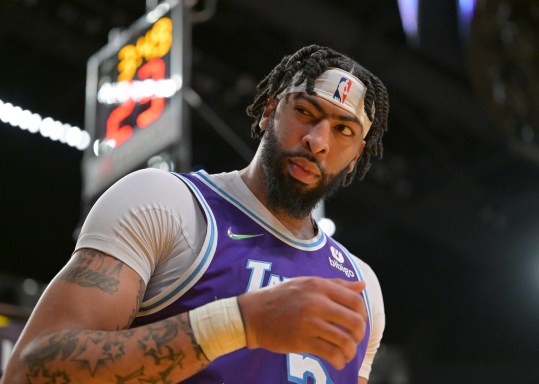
{"x":301,"y":367}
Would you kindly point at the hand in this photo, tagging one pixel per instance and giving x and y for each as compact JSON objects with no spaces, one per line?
{"x":322,"y":317}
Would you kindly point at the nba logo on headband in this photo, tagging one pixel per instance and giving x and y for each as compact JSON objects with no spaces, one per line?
{"x":341,"y":92}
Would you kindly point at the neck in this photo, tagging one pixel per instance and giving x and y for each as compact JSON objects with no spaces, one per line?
{"x":253,"y":177}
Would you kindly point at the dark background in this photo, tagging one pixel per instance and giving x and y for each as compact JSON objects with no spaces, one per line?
{"x":448,"y":219}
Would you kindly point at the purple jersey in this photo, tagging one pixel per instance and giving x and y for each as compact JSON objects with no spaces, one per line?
{"x":242,"y":252}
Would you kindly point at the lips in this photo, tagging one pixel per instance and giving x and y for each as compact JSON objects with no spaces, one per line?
{"x":303,"y":170}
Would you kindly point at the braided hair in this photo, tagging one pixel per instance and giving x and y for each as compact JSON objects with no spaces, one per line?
{"x":312,"y":61}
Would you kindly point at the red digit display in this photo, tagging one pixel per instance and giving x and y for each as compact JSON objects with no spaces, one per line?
{"x":154,"y":69}
{"x":115,"y":131}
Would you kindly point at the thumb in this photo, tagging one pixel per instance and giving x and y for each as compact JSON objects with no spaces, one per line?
{"x":356,"y":286}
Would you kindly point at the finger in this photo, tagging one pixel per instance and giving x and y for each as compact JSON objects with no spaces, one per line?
{"x":327,"y":351}
{"x":342,"y":306}
{"x":347,"y":297}
{"x":356,"y":286}
{"x":337,"y":336}
{"x":351,"y":322}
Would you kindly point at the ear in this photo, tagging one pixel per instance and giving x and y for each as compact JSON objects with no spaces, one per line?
{"x":354,"y":160}
{"x":271,"y":105}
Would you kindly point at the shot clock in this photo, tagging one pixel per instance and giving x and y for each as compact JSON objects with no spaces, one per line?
{"x":134,"y":107}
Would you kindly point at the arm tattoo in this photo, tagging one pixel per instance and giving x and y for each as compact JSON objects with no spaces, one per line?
{"x":90,"y":270}
{"x":138,"y":300}
{"x":160,"y":352}
{"x":146,"y":354}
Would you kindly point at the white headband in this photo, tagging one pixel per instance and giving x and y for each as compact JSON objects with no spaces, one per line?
{"x":340,"y":88}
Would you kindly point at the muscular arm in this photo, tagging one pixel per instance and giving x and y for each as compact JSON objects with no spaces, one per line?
{"x":78,"y":332}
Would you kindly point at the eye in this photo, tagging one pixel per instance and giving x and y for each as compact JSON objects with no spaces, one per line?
{"x":345,"y":130}
{"x":302,"y":111}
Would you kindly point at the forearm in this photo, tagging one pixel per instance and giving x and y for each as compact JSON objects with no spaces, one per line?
{"x":161,"y":352}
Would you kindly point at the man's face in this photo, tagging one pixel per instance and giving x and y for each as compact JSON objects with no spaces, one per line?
{"x":306,"y":153}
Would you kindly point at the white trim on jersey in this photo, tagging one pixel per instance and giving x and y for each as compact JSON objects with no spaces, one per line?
{"x":361,"y":277}
{"x":308,"y":245}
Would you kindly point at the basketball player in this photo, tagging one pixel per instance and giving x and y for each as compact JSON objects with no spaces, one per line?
{"x":226,"y":278}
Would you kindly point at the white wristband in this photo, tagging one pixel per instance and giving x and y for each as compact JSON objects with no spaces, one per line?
{"x":218,"y":327}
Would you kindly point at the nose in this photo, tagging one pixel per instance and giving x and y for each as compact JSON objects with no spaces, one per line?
{"x":316,"y":139}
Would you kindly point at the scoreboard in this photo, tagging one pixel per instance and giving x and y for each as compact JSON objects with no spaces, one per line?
{"x":134,"y":105}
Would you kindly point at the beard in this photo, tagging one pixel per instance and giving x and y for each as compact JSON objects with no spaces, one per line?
{"x":285,"y":194}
